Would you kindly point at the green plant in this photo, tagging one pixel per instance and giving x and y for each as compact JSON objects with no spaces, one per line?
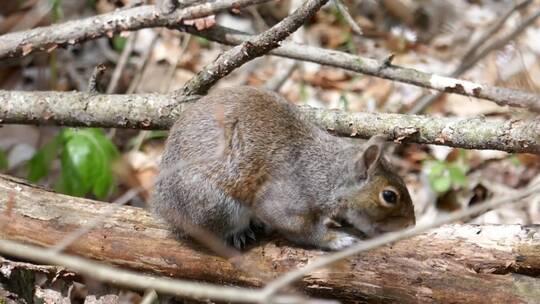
{"x":3,"y":160}
{"x":444,"y":175}
{"x":203,"y":42}
{"x":343,"y":102}
{"x":56,"y":9}
{"x":119,"y":43}
{"x":86,"y":157}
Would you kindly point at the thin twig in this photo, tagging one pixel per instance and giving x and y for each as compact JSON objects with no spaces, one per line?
{"x":24,"y":43}
{"x":150,"y":297}
{"x":94,"y":78}
{"x":468,"y":63}
{"x":141,"y":67}
{"x":282,"y":74}
{"x":134,"y":280}
{"x":172,"y":69}
{"x":248,"y":50}
{"x":392,"y":237}
{"x":475,"y":46}
{"x":34,"y":16}
{"x":126,"y":52}
{"x":379,"y":68}
{"x":342,"y":8}
{"x":499,"y":43}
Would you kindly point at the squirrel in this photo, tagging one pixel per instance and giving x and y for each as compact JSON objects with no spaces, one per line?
{"x":244,"y":155}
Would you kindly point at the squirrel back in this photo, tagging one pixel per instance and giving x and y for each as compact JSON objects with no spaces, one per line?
{"x":244,"y":154}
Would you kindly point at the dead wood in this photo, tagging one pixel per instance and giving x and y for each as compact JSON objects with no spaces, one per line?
{"x":452,"y":264}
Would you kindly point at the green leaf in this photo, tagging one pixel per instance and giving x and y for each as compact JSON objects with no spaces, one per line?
{"x":56,"y":8}
{"x":87,"y":156}
{"x":457,"y":175}
{"x":40,"y":164}
{"x":303,"y":92}
{"x":103,"y":184}
{"x":156,"y":134}
{"x":203,"y":42}
{"x":3,"y":160}
{"x":110,"y":150}
{"x":119,"y":43}
{"x":441,"y":184}
{"x":515,"y":161}
{"x":435,"y":168}
{"x":70,"y":181}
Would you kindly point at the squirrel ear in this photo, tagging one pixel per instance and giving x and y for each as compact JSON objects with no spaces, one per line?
{"x":370,"y":156}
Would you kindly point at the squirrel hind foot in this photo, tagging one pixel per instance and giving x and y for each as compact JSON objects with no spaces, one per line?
{"x":240,"y":239}
{"x":247,"y":236}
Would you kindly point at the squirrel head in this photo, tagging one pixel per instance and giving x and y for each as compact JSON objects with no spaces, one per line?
{"x":376,"y":199}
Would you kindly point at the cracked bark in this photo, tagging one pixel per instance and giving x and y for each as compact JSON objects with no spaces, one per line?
{"x":455,"y":263}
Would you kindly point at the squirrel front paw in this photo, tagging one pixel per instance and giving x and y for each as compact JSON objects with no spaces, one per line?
{"x":340,"y":240}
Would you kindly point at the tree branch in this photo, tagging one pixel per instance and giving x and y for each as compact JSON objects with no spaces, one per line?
{"x":76,"y":31}
{"x":381,"y":69}
{"x":456,"y":263}
{"x":155,"y":111}
{"x":252,"y":48}
{"x":46,"y":38}
{"x":475,"y":53}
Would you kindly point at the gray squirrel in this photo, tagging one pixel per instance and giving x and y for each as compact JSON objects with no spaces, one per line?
{"x":244,"y":155}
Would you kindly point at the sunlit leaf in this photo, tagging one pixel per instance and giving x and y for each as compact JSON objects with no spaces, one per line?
{"x":457,"y":175}
{"x":442,"y":183}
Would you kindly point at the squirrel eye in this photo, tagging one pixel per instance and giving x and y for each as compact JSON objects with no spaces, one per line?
{"x":388,"y":197}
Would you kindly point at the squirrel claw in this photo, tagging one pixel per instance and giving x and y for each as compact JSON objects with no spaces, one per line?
{"x":250,"y":234}
{"x":240,"y":239}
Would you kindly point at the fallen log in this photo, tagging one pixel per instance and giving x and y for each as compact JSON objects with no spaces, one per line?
{"x":452,"y":264}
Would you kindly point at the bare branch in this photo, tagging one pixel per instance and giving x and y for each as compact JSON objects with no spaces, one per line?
{"x":147,"y":16}
{"x":126,"y":52}
{"x":342,"y":8}
{"x":132,"y":279}
{"x":251,"y":48}
{"x":473,"y":56}
{"x":73,"y":32}
{"x":155,"y":111}
{"x":380,"y":68}
{"x":475,"y":46}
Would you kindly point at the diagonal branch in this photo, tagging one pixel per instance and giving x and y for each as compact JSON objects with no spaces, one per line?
{"x":76,"y":31}
{"x":473,"y":56}
{"x":251,"y":48}
{"x":155,"y":111}
{"x":381,"y":68}
{"x":392,"y":237}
